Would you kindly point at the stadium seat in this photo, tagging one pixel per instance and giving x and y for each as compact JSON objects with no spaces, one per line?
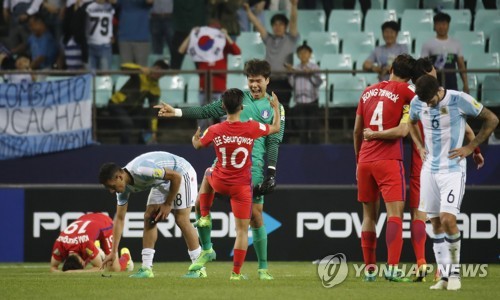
{"x":494,"y":42}
{"x":103,"y":90}
{"x":472,"y":42}
{"x":461,"y":20}
{"x":404,"y":38}
{"x":310,"y":20}
{"x":473,"y":84}
{"x":324,"y":93}
{"x":421,"y":37}
{"x":375,"y":18}
{"x":488,"y":61}
{"x":336,"y":62}
{"x":415,"y":20}
{"x":323,"y":43}
{"x":490,"y":91}
{"x":344,"y":22}
{"x":401,"y":5}
{"x":487,"y":21}
{"x":251,"y":45}
{"x":371,"y":77}
{"x":235,"y":62}
{"x":120,"y":81}
{"x":358,"y":42}
{"x":115,"y":62}
{"x":238,"y":81}
{"x":347,"y":91}
{"x":268,"y":15}
{"x":172,"y":89}
{"x":193,"y":91}
{"x":439,"y":4}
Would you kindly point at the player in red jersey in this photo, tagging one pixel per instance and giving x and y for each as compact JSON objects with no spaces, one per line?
{"x":76,"y":246}
{"x":233,"y":141}
{"x":380,"y":163}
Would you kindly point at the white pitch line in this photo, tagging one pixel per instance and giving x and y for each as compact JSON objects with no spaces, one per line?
{"x":24,"y":267}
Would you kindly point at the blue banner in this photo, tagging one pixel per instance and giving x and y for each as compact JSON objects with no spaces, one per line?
{"x":45,"y":117}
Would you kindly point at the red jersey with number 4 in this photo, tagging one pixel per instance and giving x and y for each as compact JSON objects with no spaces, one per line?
{"x":79,"y":237}
{"x":381,"y":106}
{"x":233,"y":142}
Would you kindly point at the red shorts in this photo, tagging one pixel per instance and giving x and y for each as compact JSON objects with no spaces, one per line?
{"x":383,"y":176}
{"x":241,"y":195}
{"x":414,"y":191}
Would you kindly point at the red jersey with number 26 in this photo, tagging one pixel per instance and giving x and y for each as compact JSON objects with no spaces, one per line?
{"x":381,"y":106}
{"x":233,"y":142}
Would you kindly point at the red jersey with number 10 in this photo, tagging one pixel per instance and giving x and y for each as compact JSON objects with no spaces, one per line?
{"x":381,"y":106}
{"x":233,"y":142}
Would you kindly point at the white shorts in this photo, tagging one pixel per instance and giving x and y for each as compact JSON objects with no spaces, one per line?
{"x":441,"y":192}
{"x":186,"y":196}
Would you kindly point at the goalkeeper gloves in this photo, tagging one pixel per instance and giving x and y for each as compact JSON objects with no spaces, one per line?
{"x":268,"y":185}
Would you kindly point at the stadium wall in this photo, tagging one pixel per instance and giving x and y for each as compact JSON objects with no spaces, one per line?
{"x":303,"y":222}
{"x":297,"y":164}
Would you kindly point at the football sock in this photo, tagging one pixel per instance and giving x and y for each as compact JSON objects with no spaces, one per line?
{"x":238,"y":259}
{"x":394,"y":240}
{"x":442,"y":254}
{"x":205,"y":235}
{"x":193,"y":254}
{"x":206,"y":200}
{"x":369,"y":246}
{"x":260,"y":245}
{"x":123,"y":261}
{"x":453,"y":243}
{"x":418,"y":237}
{"x":147,"y":257}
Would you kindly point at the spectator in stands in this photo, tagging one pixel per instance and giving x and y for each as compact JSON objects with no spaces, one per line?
{"x":226,"y":11}
{"x":305,"y":85}
{"x":52,"y":11}
{"x":74,"y":42}
{"x":217,"y":85}
{"x":381,"y":58}
{"x":280,"y":47}
{"x":162,"y":26}
{"x":187,"y":15}
{"x":22,"y":62}
{"x":126,"y":105}
{"x":99,"y":33}
{"x":15,"y":15}
{"x":133,"y":31}
{"x":257,"y":7}
{"x":446,"y":54}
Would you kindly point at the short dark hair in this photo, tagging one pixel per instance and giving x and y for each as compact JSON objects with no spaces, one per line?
{"x":426,"y":87}
{"x":442,"y":17}
{"x":232,"y":100}
{"x":162,"y":64}
{"x":256,"y":67}
{"x":279,"y":17}
{"x":108,"y":171}
{"x":304,"y":46}
{"x":422,"y":67}
{"x":403,"y":66}
{"x":392,"y":25}
{"x":72,"y":263}
{"x":37,"y":18}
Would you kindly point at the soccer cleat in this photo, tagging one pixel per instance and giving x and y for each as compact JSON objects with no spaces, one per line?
{"x":264,"y":274}
{"x":370,"y":276}
{"x":205,"y":256}
{"x":143,"y":273}
{"x":395,"y":275}
{"x":454,"y":283}
{"x":421,"y":273}
{"x":201,"y":273}
{"x":205,"y":221}
{"x":235,"y":276}
{"x":440,"y":285}
{"x":130,"y":263}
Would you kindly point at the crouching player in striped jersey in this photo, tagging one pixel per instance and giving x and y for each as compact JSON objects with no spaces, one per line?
{"x":443,"y":115}
{"x":233,"y":141}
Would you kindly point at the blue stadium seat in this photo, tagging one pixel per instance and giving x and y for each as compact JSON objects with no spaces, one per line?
{"x":415,"y":20}
{"x":103,"y":90}
{"x":358,"y":42}
{"x":323,"y":43}
{"x":120,"y":81}
{"x":193,"y":91}
{"x":238,"y":81}
{"x":172,"y":89}
{"x":404,"y":38}
{"x":235,"y":62}
{"x":472,"y":42}
{"x":324,"y":93}
{"x":461,"y":20}
{"x":421,"y":37}
{"x":375,"y":18}
{"x":401,"y":5}
{"x":494,"y":42}
{"x":370,"y":78}
{"x":487,"y":21}
{"x":347,"y":91}
{"x":310,"y":20}
{"x":336,"y":62}
{"x":473,"y":84}
{"x":491,"y":91}
{"x":439,"y":4}
{"x":488,"y":61}
{"x":344,"y":22}
{"x":251,"y":45}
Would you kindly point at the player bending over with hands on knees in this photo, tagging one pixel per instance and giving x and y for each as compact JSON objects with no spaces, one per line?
{"x":233,"y":142}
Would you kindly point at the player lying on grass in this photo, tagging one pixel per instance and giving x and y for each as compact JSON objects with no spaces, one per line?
{"x":86,"y":241}
{"x":233,"y":141}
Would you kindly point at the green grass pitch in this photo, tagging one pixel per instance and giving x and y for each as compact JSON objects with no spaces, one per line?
{"x":293,"y":280}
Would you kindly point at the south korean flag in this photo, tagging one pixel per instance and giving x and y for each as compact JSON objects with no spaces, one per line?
{"x":206,"y":44}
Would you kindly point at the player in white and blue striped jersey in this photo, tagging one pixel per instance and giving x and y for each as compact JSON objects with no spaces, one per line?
{"x":443,"y":114}
{"x":173,"y":187}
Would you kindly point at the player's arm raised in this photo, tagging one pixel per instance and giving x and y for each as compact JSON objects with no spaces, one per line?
{"x":175,"y":185}
{"x":196,"y":139}
{"x":118,"y":224}
{"x":255,"y":21}
{"x":275,"y":104}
